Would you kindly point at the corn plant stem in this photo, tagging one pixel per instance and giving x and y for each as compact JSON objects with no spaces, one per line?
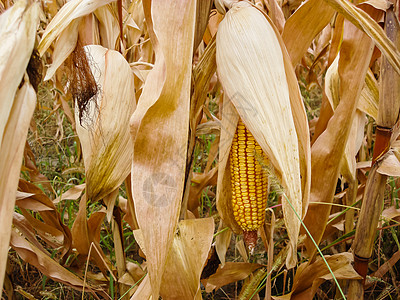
{"x":366,"y":227}
{"x":319,"y":251}
{"x":350,"y":200}
{"x":388,"y":112}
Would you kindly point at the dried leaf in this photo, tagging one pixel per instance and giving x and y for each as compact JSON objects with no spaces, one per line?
{"x":72,"y":194}
{"x":231,"y":272}
{"x":17,"y":34}
{"x":355,"y":55}
{"x":45,"y":264}
{"x":159,"y":128}
{"x":222,"y":241}
{"x":364,"y":22}
{"x":309,"y":277}
{"x":390,"y":165}
{"x":308,"y":20}
{"x":187,"y":256}
{"x":72,"y":10}
{"x":12,"y":148}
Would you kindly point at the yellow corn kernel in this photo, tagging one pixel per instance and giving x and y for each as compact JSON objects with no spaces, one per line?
{"x":249,"y":180}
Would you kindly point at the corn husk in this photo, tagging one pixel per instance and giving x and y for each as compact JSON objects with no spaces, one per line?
{"x":104,"y":133}
{"x":251,"y":68}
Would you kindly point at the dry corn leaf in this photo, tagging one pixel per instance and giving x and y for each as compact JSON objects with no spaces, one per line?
{"x":201,"y":181}
{"x":369,"y":99}
{"x":356,"y":135}
{"x":222,"y":241}
{"x":17,"y":34}
{"x":13,"y":142}
{"x":231,"y":272}
{"x":262,"y":99}
{"x":64,"y":27}
{"x":72,"y":194}
{"x":144,"y":290}
{"x":364,"y":22}
{"x":355,"y":55}
{"x":187,"y":256}
{"x":202,"y":15}
{"x":159,"y":130}
{"x":310,"y":276}
{"x":276,"y":14}
{"x":390,"y":165}
{"x":104,"y":133}
{"x":86,"y":234}
{"x":391,"y":213}
{"x":27,"y":230}
{"x":63,"y":47}
{"x":108,"y":26}
{"x":307,"y":21}
{"x":49,"y":226}
{"x":70,"y":11}
{"x":45,"y":264}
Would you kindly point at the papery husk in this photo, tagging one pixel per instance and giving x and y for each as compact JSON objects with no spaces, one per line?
{"x":251,"y":67}
{"x":104,"y":132}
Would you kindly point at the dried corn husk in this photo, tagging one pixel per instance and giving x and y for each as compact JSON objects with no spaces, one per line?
{"x":104,"y":133}
{"x":251,"y":68}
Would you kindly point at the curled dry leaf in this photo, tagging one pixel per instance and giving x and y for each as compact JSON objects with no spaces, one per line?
{"x":355,"y":55}
{"x":72,"y":194}
{"x":356,"y":135}
{"x":308,"y":20}
{"x":254,"y":71}
{"x":368,"y":24}
{"x":310,"y":276}
{"x":222,"y":241}
{"x":390,"y":165}
{"x":45,"y":264}
{"x":104,"y":133}
{"x":64,"y":28}
{"x":230,"y":272}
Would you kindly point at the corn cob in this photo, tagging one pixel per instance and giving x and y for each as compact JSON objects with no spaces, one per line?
{"x":249,"y":183}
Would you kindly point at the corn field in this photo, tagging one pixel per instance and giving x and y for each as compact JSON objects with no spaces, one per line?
{"x":225,"y":149}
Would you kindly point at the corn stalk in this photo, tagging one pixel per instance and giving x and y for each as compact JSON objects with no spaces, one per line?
{"x":372,"y":205}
